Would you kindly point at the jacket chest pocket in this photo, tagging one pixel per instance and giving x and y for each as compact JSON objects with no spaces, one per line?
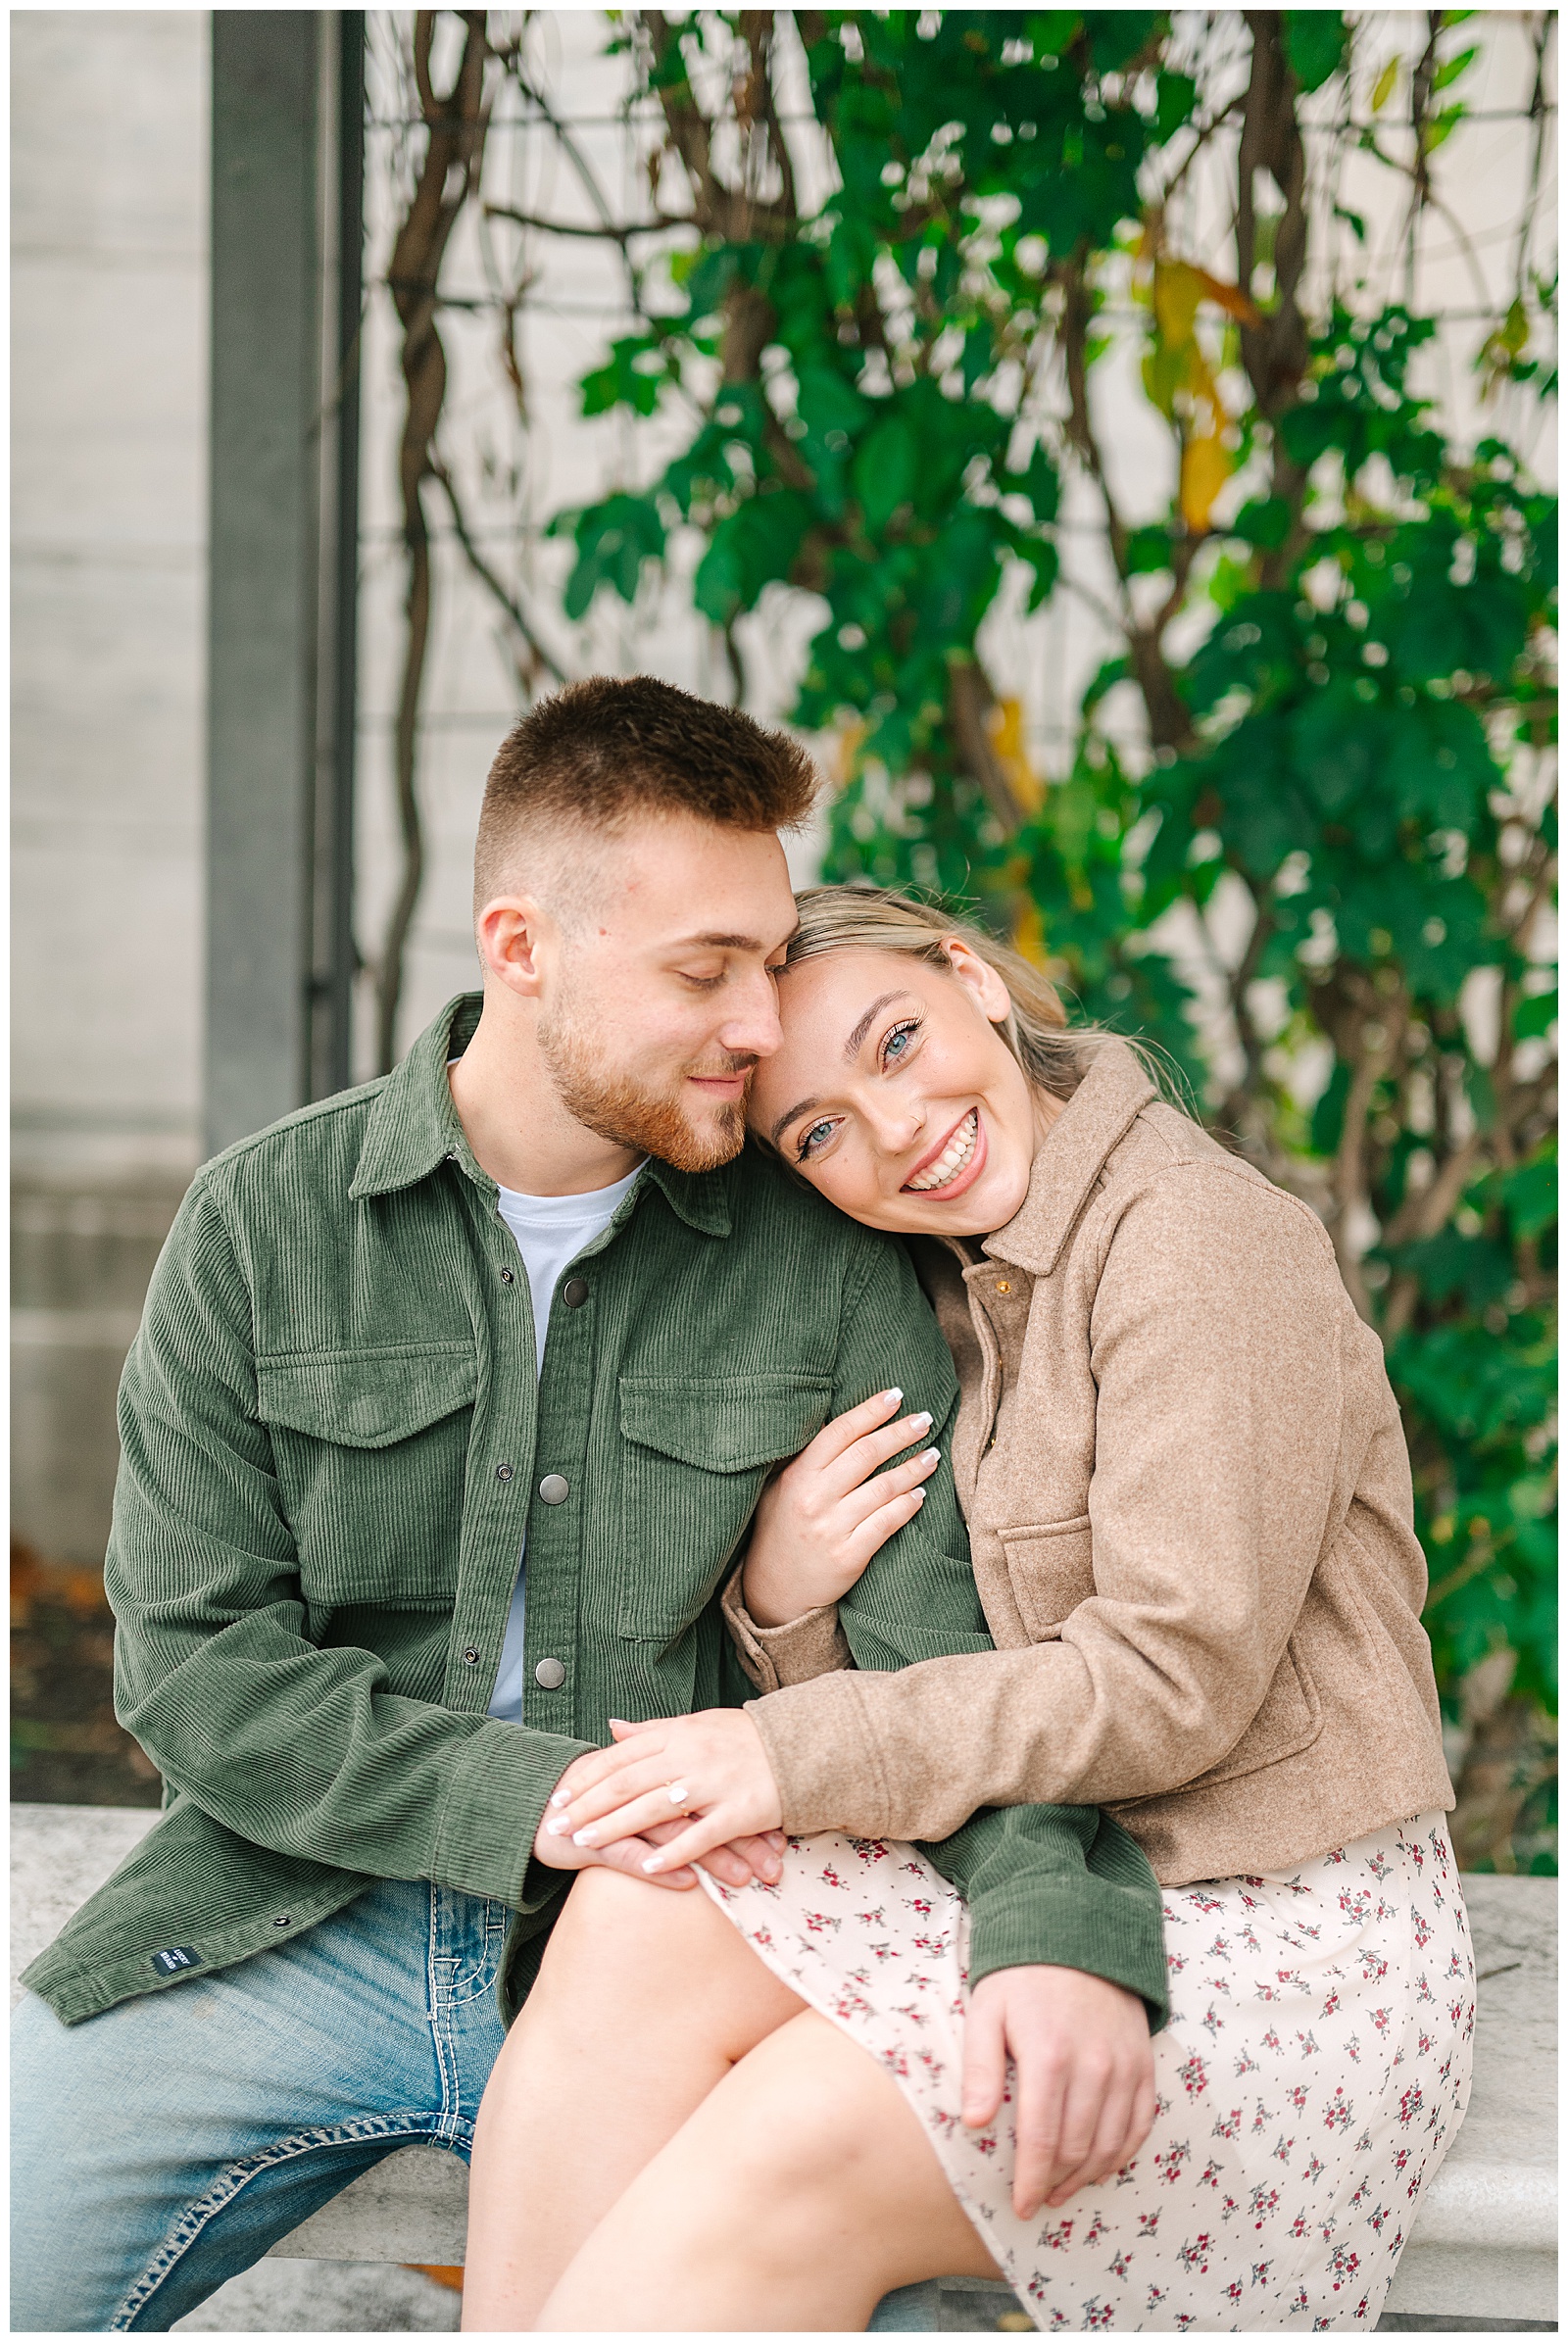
{"x":696,"y":1451}
{"x":370,"y":1448}
{"x":1051,"y":1570}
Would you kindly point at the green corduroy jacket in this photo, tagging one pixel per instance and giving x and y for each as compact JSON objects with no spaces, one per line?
{"x":332,"y":1439}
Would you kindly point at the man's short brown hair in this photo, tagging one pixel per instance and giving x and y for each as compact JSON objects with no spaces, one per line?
{"x":604,"y":749}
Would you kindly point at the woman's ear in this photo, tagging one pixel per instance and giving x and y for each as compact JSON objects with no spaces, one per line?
{"x":979,"y":977}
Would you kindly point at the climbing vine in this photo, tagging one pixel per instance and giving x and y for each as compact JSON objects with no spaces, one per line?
{"x":891,"y":272}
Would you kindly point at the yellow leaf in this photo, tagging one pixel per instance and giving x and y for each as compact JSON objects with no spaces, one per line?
{"x":1029,"y":935}
{"x":1178,"y":289}
{"x":1197,"y":379}
{"x":848,"y":750}
{"x":1006,"y":726}
{"x":1383,"y":88}
{"x":1205,"y":469}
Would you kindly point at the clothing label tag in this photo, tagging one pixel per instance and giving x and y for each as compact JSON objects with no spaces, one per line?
{"x":170,"y":1963}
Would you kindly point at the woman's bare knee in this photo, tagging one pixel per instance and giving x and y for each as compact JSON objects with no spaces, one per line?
{"x":816,"y":2131}
{"x":643,"y":1954}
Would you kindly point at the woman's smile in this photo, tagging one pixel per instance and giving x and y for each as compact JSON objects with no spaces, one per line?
{"x":953,"y":1164}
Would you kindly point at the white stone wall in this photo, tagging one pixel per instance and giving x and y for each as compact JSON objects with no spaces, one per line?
{"x":109,"y":489}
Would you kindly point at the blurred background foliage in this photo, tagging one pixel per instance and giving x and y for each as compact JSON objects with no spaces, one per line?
{"x":1336,"y":636}
{"x":900,"y":281}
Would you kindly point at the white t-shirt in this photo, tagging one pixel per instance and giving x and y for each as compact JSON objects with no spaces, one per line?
{"x":550,"y":1230}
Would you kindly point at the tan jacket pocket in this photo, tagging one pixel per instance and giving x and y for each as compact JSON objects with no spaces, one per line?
{"x":1051,"y":1569}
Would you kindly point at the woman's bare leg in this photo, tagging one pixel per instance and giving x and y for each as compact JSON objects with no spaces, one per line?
{"x":645,"y":2000}
{"x":800,"y":2191}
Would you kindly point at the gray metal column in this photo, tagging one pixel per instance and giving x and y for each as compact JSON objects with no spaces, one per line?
{"x":285,"y":278}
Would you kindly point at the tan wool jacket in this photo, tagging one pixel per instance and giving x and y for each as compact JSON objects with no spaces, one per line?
{"x":1189,"y":1513}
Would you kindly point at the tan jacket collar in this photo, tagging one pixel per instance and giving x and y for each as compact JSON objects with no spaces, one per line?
{"x":1096,"y":1118}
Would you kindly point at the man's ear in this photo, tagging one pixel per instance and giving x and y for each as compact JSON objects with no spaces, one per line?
{"x":516,"y":936}
{"x":979,"y":977}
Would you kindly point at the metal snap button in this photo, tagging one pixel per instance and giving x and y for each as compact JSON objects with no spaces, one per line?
{"x":553,"y":1490}
{"x":574,"y":1291}
{"x":550,"y":1675}
{"x":505,"y":1472}
{"x":1002,"y":1285}
{"x":471,"y":1657}
{"x":507,"y":1277}
{"x":284,"y":1921}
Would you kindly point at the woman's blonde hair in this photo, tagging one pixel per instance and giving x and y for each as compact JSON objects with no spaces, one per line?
{"x":865,"y":918}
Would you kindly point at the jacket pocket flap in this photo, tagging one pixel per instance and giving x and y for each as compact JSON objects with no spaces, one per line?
{"x":724,"y":1423}
{"x":1050,"y":1567}
{"x":1077,"y":1526}
{"x":364,"y":1399}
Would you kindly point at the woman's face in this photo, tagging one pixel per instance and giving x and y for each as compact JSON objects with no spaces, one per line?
{"x":896,"y":1095}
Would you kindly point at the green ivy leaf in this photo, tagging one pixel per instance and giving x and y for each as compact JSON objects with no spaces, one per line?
{"x":747,"y":552}
{"x":1177,"y":96}
{"x":1314,"y":43}
{"x":613,"y":540}
{"x":884,"y":476}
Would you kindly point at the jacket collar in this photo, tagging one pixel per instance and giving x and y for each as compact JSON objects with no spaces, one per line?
{"x":414,"y":1128}
{"x":1102,"y":1110}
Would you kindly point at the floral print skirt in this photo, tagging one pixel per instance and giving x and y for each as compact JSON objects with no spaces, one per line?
{"x":1314,"y":2071}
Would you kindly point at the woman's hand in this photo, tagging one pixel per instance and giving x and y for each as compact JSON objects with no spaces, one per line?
{"x":711,"y":1767}
{"x":1084,"y":2096}
{"x":826,"y":1514}
{"x":735,"y":1863}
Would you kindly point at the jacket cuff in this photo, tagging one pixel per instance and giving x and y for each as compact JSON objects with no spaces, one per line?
{"x":812,"y":1644}
{"x":490,"y":1816}
{"x":824,"y":1760}
{"x":1032,"y":1919}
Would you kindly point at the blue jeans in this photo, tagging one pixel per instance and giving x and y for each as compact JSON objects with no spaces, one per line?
{"x":161,"y":2148}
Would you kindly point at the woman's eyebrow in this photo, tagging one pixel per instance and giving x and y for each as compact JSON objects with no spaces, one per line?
{"x":806,"y":1105}
{"x":851,"y":1047}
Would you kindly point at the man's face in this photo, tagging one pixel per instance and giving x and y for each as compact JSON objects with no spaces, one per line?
{"x":660,"y":999}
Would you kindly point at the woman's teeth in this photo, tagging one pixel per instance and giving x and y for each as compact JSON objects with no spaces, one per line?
{"x":952,"y":1159}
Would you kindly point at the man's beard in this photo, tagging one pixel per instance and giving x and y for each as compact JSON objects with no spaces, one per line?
{"x":612,"y":1106}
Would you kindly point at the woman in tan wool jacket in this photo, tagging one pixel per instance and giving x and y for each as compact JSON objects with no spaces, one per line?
{"x":1189,"y":1504}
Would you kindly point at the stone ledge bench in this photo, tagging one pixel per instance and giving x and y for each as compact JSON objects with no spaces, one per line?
{"x":1482,"y":2256}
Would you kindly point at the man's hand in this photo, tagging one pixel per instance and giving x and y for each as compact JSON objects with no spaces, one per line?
{"x":733,"y":1863}
{"x":711,"y":1766}
{"x":1084,"y":2092}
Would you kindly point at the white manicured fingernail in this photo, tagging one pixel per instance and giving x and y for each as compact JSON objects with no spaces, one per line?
{"x":932,"y":1455}
{"x":652,"y":1864}
{"x":583,"y":1838}
{"x":557,"y":1827}
{"x":562,"y":1797}
{"x":891,"y":1398}
{"x":919,"y":1423}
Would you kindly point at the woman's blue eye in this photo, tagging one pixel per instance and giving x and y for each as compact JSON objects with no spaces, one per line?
{"x":897,"y":1043}
{"x":807,"y":1139}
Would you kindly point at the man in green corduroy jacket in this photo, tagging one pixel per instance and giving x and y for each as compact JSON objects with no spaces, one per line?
{"x":452,"y":1401}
